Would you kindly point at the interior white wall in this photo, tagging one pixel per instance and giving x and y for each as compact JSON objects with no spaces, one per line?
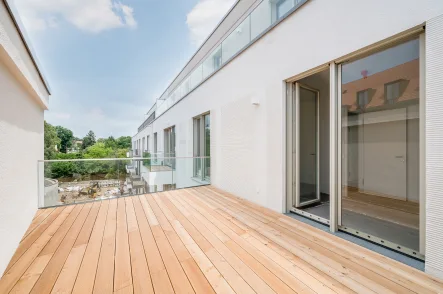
{"x":247,"y":140}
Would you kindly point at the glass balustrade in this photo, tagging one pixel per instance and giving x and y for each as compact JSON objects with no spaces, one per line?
{"x":63,"y":182}
{"x":263,"y":17}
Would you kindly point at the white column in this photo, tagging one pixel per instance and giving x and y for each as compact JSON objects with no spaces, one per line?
{"x":434,"y":146}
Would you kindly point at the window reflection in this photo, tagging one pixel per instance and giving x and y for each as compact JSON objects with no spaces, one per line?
{"x":380,"y":144}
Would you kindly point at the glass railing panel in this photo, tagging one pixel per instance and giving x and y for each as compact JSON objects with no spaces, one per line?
{"x":63,"y":182}
{"x":212,"y":62}
{"x":196,"y":77}
{"x":239,"y":38}
{"x":261,"y":18}
{"x":76,"y":181}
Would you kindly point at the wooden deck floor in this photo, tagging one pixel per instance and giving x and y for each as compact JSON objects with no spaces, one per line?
{"x":194,"y":240}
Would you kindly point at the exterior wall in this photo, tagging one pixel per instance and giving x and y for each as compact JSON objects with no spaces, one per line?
{"x":247,"y":140}
{"x":23,"y":98}
{"x":434,"y":147}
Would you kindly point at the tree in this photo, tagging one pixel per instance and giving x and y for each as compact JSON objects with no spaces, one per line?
{"x":51,"y":141}
{"x":124,"y":142}
{"x":111,"y":142}
{"x":66,"y":136}
{"x":88,"y":140}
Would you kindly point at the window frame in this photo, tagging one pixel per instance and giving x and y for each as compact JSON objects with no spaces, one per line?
{"x":200,"y":169}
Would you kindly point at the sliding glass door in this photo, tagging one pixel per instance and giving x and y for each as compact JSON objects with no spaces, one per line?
{"x":380,"y":146}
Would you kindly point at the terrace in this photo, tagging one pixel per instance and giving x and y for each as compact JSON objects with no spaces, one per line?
{"x":200,"y":240}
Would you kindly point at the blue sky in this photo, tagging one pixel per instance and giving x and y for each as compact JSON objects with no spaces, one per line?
{"x":107,"y":61}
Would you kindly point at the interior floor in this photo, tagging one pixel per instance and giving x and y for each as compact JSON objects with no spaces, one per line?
{"x":377,"y":216}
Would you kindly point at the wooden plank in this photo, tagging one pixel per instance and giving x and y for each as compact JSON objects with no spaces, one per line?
{"x":30,"y":277}
{"x":104,"y":278}
{"x":159,"y":275}
{"x":33,"y":236}
{"x":254,"y":281}
{"x":273,"y":261}
{"x":178,"y":278}
{"x":210,"y":262}
{"x":277,"y":278}
{"x":11,"y":277}
{"x":40,"y":216}
{"x":141,"y":278}
{"x":285,"y":257}
{"x":357,"y":272}
{"x":55,"y":265}
{"x":330,"y":267}
{"x":66,"y":279}
{"x":347,"y":249}
{"x":86,"y":275}
{"x":122,"y":274}
{"x":179,"y":236}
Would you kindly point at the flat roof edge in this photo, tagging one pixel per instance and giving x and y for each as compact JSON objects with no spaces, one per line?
{"x":18,"y":24}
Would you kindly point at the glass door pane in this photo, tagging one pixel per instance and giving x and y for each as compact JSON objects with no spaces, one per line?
{"x":380,"y":145}
{"x":207,"y":159}
{"x":308,"y":146}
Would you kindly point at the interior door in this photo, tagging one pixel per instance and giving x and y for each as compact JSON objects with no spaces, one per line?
{"x":307,"y":146}
{"x":384,"y":155}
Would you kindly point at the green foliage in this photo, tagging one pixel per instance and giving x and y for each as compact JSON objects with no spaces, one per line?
{"x":88,"y":140}
{"x":147,"y":162}
{"x":91,"y":149}
{"x":124,"y":142}
{"x":51,"y":141}
{"x":66,"y":136}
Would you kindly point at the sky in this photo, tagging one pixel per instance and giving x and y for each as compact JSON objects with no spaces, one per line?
{"x":107,"y":61}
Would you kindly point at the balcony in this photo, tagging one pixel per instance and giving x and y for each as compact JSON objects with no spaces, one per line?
{"x":201,"y":240}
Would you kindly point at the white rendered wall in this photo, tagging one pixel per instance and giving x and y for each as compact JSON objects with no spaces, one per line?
{"x":434,"y":147}
{"x":247,"y":140}
{"x":23,"y":98}
{"x":21,"y":145}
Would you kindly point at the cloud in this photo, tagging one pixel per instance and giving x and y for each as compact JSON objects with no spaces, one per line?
{"x":88,"y":15}
{"x":203,"y":18}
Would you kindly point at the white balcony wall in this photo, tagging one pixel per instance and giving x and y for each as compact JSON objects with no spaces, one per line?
{"x":23,"y":98}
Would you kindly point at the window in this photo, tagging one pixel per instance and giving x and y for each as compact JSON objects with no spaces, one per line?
{"x":393,"y":91}
{"x":147,"y":144}
{"x":143,"y":144}
{"x":202,"y":146}
{"x":170,"y":146}
{"x":155,"y":143}
{"x":362,"y":99}
{"x":155,"y":156}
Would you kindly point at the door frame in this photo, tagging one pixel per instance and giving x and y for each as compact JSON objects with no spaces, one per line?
{"x":336,"y":170}
{"x":297,"y":87}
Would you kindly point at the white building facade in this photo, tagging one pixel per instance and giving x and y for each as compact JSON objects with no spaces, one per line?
{"x":329,"y":109}
{"x":24,"y":97}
